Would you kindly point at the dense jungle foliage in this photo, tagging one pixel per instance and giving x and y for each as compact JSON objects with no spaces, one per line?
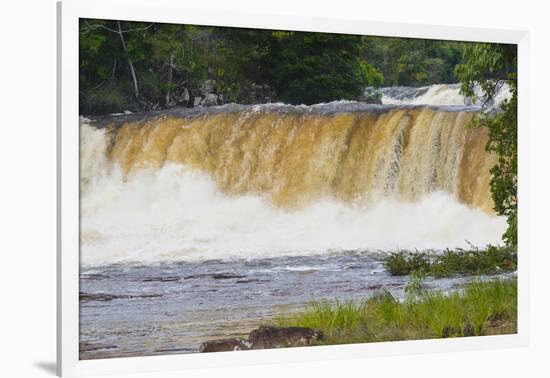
{"x":145,"y":66}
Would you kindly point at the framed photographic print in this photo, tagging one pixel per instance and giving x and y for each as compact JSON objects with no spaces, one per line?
{"x":239,"y":189}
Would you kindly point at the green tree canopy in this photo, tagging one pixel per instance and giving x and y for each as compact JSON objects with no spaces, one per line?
{"x":146,"y":66}
{"x":490,"y":66}
{"x":315,"y":67}
{"x":414,"y":62}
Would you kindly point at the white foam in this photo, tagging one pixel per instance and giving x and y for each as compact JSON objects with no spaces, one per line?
{"x":174,"y":214}
{"x":438,"y":95}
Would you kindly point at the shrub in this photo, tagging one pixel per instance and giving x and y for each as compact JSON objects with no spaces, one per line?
{"x":103,"y":102}
{"x":492,"y":260}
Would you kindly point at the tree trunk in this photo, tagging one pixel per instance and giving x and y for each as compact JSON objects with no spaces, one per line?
{"x":130,"y":64}
{"x":170,"y":73}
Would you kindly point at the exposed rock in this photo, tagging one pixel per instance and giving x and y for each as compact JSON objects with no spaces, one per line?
{"x":173,"y":350}
{"x":94,"y":276}
{"x":216,"y":276}
{"x":250,"y":281}
{"x":194,"y":276}
{"x":226,"y":276}
{"x":104,"y":297}
{"x":469,"y":330}
{"x":210,"y":99}
{"x":101,"y":297}
{"x":207,"y":87}
{"x":161,"y":279}
{"x":184,"y":96}
{"x":143,"y":296}
{"x":371,"y":99}
{"x":85,"y":346}
{"x":224,"y":345}
{"x":267,"y":337}
{"x":242,"y":93}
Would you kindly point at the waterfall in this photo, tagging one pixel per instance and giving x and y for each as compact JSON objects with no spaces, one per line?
{"x":256,"y":181}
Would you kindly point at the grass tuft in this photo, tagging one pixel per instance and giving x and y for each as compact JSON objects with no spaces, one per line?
{"x":481,"y":308}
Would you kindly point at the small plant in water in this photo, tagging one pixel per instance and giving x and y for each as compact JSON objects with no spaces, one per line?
{"x":402,"y":263}
{"x":416,"y":288}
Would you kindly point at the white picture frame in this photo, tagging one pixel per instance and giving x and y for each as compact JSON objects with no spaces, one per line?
{"x":171,"y":11}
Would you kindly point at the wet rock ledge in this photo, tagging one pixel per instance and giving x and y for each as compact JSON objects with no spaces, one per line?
{"x":266,"y":337}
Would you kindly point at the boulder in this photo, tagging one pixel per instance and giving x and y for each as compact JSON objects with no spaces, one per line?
{"x":267,"y":337}
{"x":224,"y":345}
{"x":210,"y":99}
{"x":184,"y":96}
{"x":207,"y":87}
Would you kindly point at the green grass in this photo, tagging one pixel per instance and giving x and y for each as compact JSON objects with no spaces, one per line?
{"x":481,"y":308}
{"x":492,"y":260}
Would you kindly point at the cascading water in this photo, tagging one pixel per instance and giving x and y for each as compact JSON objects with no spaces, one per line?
{"x":276,"y":180}
{"x":437,"y":94}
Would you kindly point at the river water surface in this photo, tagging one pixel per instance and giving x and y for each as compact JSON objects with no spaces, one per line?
{"x":172,"y":308}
